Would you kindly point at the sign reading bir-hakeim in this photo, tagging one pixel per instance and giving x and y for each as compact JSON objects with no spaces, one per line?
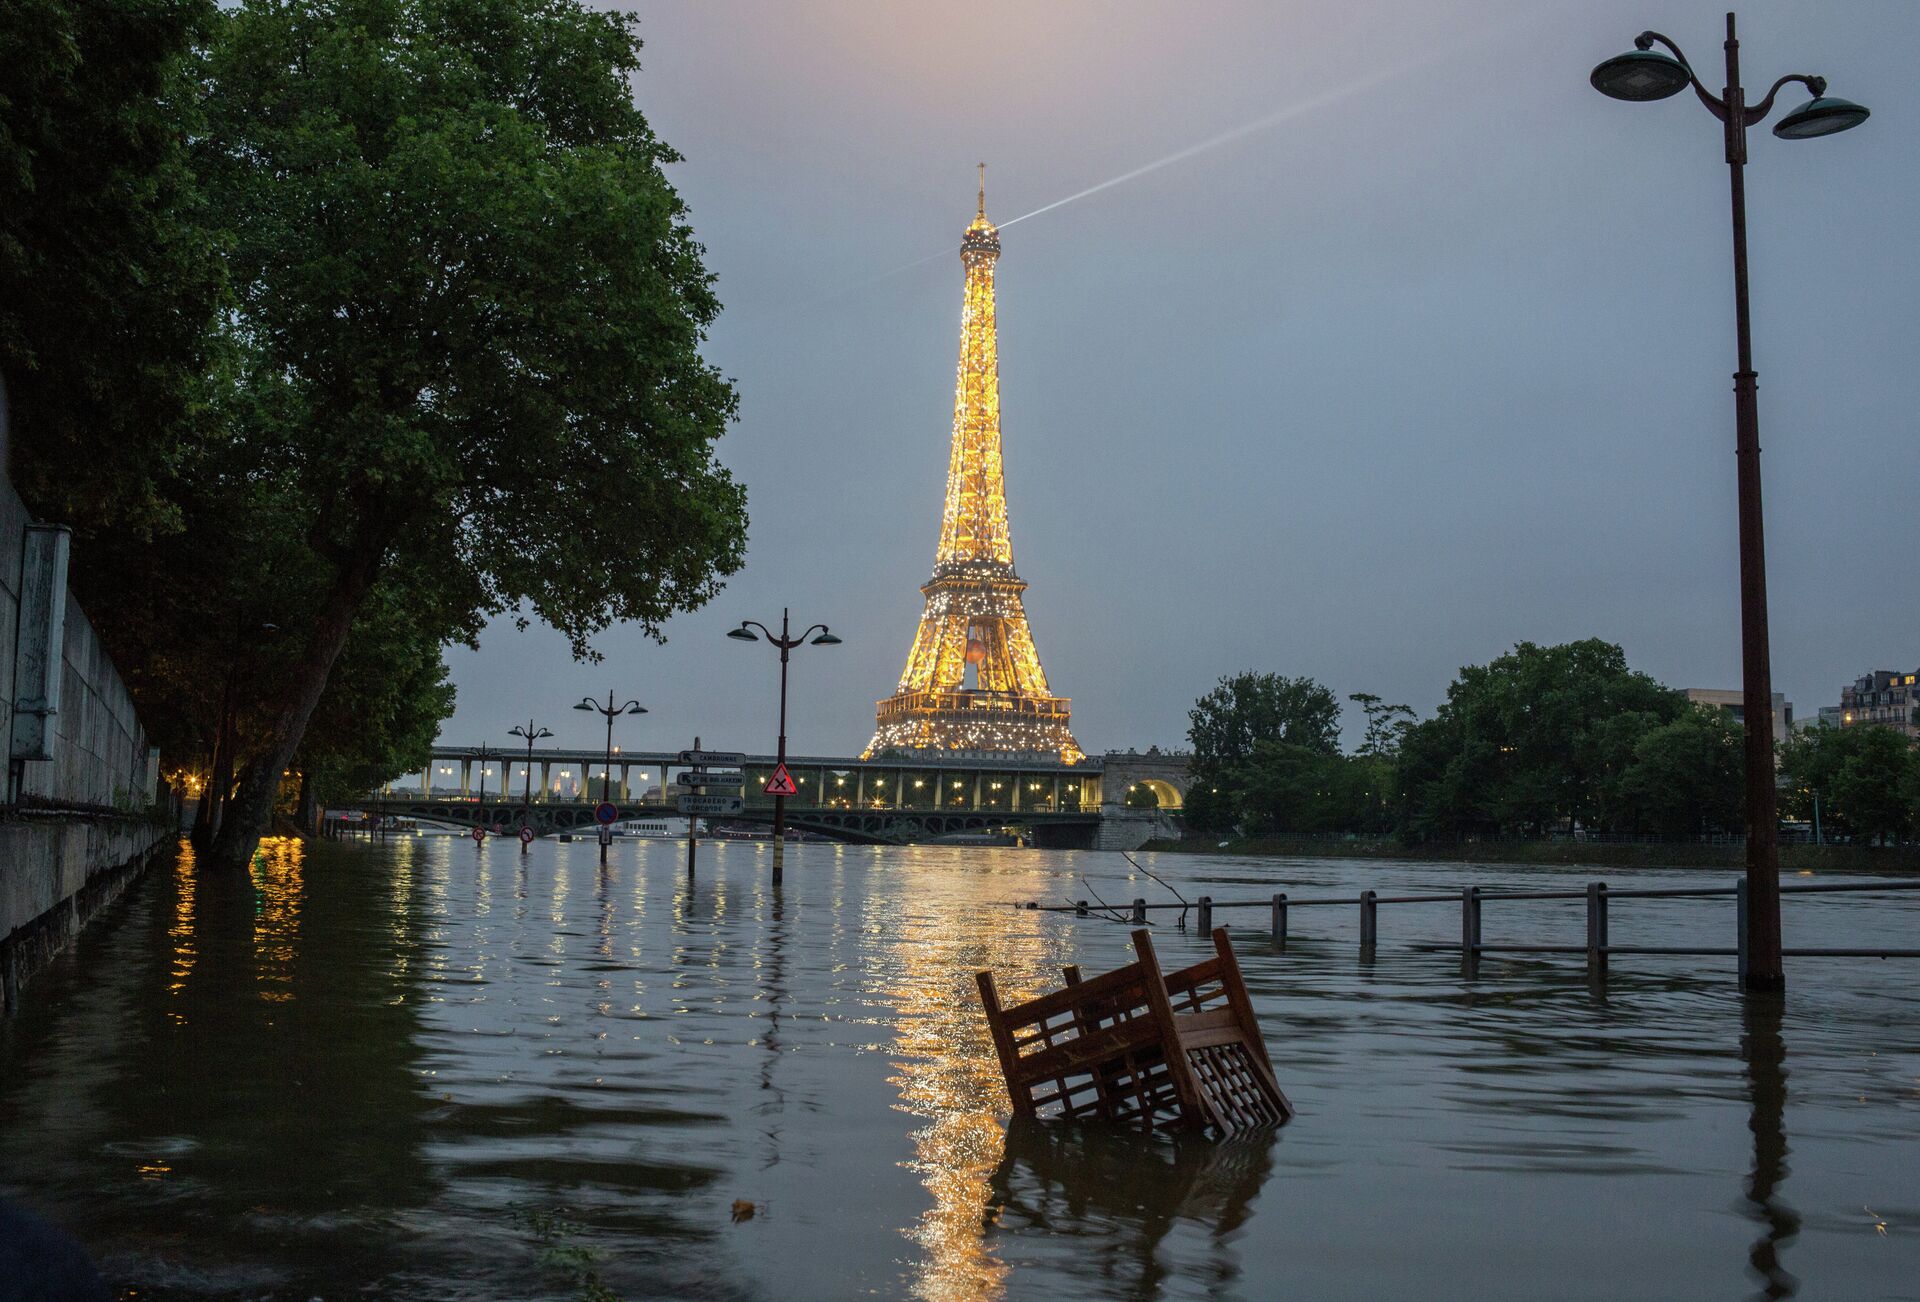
{"x":973,"y":680}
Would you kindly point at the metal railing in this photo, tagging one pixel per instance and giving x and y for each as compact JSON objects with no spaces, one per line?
{"x":1472,"y":901}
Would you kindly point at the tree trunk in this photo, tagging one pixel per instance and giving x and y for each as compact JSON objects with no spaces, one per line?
{"x":249,"y":814}
{"x":309,"y":813}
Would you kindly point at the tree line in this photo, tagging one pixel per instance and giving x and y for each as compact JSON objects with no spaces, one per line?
{"x":1539,"y":741}
{"x":336,"y":328}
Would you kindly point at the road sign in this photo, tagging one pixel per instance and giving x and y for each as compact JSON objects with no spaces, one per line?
{"x":606,"y":837}
{"x":479,"y":834}
{"x":711,"y":806}
{"x":605,"y":812}
{"x":713,"y":759}
{"x":781,"y":783}
{"x":710,"y":780}
{"x":526,"y":836}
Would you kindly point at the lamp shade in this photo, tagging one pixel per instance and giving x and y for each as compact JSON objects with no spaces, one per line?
{"x":1641,"y":75}
{"x":1820,"y":117}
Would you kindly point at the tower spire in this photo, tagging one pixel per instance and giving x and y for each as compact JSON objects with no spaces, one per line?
{"x":973,"y":680}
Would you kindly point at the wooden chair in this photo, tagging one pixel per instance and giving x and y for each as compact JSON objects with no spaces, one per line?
{"x":1179,"y":1051}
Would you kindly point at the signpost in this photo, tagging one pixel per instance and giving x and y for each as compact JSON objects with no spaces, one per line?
{"x":479,"y":834}
{"x":604,"y":813}
{"x":526,"y":837}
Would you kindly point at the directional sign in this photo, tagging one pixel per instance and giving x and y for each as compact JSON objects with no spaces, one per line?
{"x":526,"y":836}
{"x":605,"y":813}
{"x":710,"y":780}
{"x":479,"y":834}
{"x":712,"y":806}
{"x":781,"y":783}
{"x":713,"y":759}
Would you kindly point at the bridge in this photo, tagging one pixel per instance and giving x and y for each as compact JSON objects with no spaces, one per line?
{"x":1101,"y":802}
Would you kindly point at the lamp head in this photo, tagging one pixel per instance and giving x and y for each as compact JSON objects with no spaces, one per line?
{"x":586,"y":705}
{"x":636,"y":708}
{"x":1823,"y":116}
{"x":743,"y":634}
{"x":1641,"y":74}
{"x":826,"y":639}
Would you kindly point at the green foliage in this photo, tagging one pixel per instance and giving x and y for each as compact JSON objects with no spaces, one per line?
{"x":1386,"y":725}
{"x":108,"y":279}
{"x":1209,"y":808}
{"x":1535,"y":740}
{"x":467,"y":310}
{"x":1685,"y":777}
{"x":1251,"y":707}
{"x":1867,"y":779}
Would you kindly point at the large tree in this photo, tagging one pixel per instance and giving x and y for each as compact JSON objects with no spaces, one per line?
{"x":1684,"y":778}
{"x":1864,"y":777}
{"x":108,"y":279}
{"x":1248,"y":708}
{"x":1532,"y":741}
{"x":468,"y":310}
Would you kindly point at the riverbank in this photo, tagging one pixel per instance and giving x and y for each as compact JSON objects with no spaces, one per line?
{"x":1638,"y":854}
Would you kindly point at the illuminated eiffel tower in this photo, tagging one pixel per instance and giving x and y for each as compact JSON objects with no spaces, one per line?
{"x":973,"y":681}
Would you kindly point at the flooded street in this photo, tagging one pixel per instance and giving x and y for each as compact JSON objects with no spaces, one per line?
{"x":429,"y":1070}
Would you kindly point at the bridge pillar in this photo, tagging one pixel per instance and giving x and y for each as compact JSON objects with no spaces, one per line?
{"x":625,"y":792}
{"x":466,"y":776}
{"x":546,"y":779}
{"x":426,"y":782}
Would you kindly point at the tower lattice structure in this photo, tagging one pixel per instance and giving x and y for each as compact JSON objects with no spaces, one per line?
{"x":973,"y":680}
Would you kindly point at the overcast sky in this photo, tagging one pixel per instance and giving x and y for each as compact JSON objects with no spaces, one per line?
{"x":1431,"y":354}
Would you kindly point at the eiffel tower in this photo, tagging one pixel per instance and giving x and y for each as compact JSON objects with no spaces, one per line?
{"x":973,"y":680}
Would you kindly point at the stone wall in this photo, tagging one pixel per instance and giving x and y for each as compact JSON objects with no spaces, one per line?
{"x":73,"y":828}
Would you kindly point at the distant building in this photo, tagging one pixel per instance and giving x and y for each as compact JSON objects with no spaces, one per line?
{"x":1829,"y":717}
{"x":1735,"y":703}
{"x":1886,"y":697}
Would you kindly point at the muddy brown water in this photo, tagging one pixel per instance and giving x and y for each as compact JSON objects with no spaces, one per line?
{"x":429,"y":1070}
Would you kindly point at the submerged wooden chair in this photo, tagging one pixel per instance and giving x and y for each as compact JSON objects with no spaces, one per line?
{"x":1173,"y":1051}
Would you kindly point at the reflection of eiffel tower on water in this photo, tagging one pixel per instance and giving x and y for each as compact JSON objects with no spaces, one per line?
{"x":973,"y":681}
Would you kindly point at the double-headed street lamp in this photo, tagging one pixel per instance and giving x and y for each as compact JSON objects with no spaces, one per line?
{"x":612,"y":712}
{"x":1644,"y":73}
{"x":483,"y":753}
{"x":786,"y":644}
{"x":532,"y":735}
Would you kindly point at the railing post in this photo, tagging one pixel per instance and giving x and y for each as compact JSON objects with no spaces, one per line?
{"x":1080,"y":908}
{"x":1206,"y":915}
{"x":1597,"y":930}
{"x":1369,"y":918}
{"x":1470,"y":930}
{"x":1740,"y":925}
{"x":1139,"y":912}
{"x":1280,"y":920}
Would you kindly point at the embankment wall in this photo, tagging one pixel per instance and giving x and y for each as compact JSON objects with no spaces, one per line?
{"x":75,"y":828}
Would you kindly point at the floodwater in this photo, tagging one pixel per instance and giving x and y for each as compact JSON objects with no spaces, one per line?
{"x":430,"y":1070}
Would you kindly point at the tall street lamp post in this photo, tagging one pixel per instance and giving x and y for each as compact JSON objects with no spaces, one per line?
{"x":1644,"y":73}
{"x":532,"y":734}
{"x":612,"y":712}
{"x":786,"y":644}
{"x":483,"y":753}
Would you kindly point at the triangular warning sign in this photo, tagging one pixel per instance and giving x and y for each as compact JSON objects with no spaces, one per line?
{"x":781,"y":783}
